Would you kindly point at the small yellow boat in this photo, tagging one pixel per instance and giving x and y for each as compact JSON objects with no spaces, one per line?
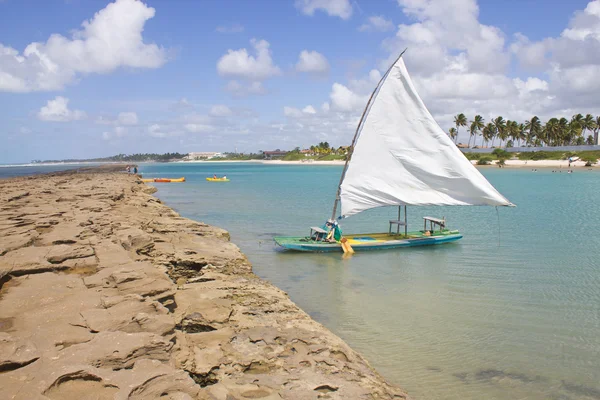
{"x":217,"y":179}
{"x":182,"y":179}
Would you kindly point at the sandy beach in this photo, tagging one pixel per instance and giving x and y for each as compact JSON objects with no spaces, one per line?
{"x":107,"y":293}
{"x":540,"y":164}
{"x":508,"y":163}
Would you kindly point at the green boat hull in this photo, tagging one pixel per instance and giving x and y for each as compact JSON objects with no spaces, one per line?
{"x":369,"y":241}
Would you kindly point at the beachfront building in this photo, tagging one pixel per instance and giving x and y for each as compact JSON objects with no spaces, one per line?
{"x":203,"y":155}
{"x":269,"y":155}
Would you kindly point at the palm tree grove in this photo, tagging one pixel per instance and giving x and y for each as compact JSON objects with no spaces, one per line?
{"x":499,"y":132}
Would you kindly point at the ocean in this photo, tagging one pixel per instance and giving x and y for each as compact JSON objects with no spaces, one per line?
{"x":511,"y":311}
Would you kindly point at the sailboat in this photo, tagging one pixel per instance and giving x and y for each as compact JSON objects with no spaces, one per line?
{"x":399,"y":157}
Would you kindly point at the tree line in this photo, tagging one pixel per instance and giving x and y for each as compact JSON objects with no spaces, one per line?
{"x":125,"y":158}
{"x":555,"y":132}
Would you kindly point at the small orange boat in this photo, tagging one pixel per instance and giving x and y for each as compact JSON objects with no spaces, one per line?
{"x":182,"y":179}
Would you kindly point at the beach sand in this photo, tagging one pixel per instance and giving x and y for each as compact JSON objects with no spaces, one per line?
{"x":508,"y":163}
{"x":107,"y":293}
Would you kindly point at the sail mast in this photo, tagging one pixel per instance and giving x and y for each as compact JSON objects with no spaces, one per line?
{"x":337,"y":196}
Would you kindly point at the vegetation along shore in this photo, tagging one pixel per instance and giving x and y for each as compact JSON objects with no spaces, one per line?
{"x":108,"y":293}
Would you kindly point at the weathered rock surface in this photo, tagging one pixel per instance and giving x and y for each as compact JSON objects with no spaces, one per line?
{"x":105,"y":293}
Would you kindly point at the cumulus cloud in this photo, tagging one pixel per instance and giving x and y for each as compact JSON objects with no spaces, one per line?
{"x":240,"y":64}
{"x":312,"y":62}
{"x":57,"y":110}
{"x":111,"y":39}
{"x":571,"y":60}
{"x":232,"y":28}
{"x":334,"y":8}
{"x":377,"y":23}
{"x":353,"y":97}
{"x":444,"y":33}
{"x":344,"y":99}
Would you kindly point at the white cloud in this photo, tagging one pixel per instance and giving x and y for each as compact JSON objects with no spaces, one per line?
{"x":292,"y":112}
{"x":240,"y":64}
{"x":312,"y":62}
{"x":199,"y":128}
{"x":111,"y":39}
{"x":530,"y":85}
{"x":162,"y":131}
{"x":238,"y":89}
{"x":344,"y":99}
{"x":220,"y":110}
{"x":124,"y":118}
{"x":571,"y":61}
{"x":118,"y":132}
{"x":233,"y":28}
{"x":309,"y":110}
{"x":447,"y":31}
{"x":334,"y":8}
{"x":128,"y":118}
{"x":57,"y":110}
{"x":377,"y":23}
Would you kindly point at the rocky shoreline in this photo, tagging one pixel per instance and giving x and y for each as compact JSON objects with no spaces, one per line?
{"x":106,"y":293}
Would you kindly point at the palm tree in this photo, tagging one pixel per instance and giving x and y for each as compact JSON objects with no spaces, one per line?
{"x":551,"y":131}
{"x":459,"y":120}
{"x":453,"y":133}
{"x":500,"y":125}
{"x":489,"y":132}
{"x":596,"y":129}
{"x":476,"y":125}
{"x":522,"y":135}
{"x":534,"y":129}
{"x":588,"y":123}
{"x":574,"y":133}
{"x":563,"y":132}
{"x":512,"y":130}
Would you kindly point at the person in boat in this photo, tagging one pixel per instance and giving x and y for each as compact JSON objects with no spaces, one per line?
{"x":214,"y":176}
{"x":224,"y":177}
{"x":334,"y":233}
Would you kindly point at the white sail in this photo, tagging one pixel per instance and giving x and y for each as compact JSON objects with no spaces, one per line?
{"x":402,"y":157}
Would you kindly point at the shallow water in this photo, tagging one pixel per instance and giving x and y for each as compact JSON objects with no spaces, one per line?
{"x":512,"y":311}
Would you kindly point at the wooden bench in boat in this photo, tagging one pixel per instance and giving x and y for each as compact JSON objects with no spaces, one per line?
{"x":398,"y":224}
{"x":434,"y":221}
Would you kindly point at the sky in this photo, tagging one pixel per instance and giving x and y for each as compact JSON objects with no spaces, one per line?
{"x":92,"y":78}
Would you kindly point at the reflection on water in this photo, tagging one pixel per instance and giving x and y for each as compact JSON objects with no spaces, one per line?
{"x":512,"y":311}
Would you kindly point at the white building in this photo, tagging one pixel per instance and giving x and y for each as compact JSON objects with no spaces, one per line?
{"x":203,"y":155}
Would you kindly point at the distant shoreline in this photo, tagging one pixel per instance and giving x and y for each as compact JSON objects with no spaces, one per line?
{"x":508,"y":163}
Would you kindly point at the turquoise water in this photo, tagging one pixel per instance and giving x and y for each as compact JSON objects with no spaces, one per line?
{"x":512,"y":311}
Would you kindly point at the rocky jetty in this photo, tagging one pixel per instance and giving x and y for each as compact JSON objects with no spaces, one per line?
{"x":106,"y":293}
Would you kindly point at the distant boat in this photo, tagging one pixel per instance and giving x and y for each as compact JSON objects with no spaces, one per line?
{"x":182,"y":179}
{"x":399,"y":157}
{"x":218,"y":179}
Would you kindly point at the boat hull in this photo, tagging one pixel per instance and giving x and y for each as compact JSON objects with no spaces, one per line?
{"x":368,"y":242}
{"x":166,"y":180}
{"x":217,"y":179}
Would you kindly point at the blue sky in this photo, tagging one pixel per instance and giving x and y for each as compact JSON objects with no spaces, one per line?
{"x":158,"y":76}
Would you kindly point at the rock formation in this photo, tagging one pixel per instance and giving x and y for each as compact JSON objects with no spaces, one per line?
{"x":106,"y":293}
